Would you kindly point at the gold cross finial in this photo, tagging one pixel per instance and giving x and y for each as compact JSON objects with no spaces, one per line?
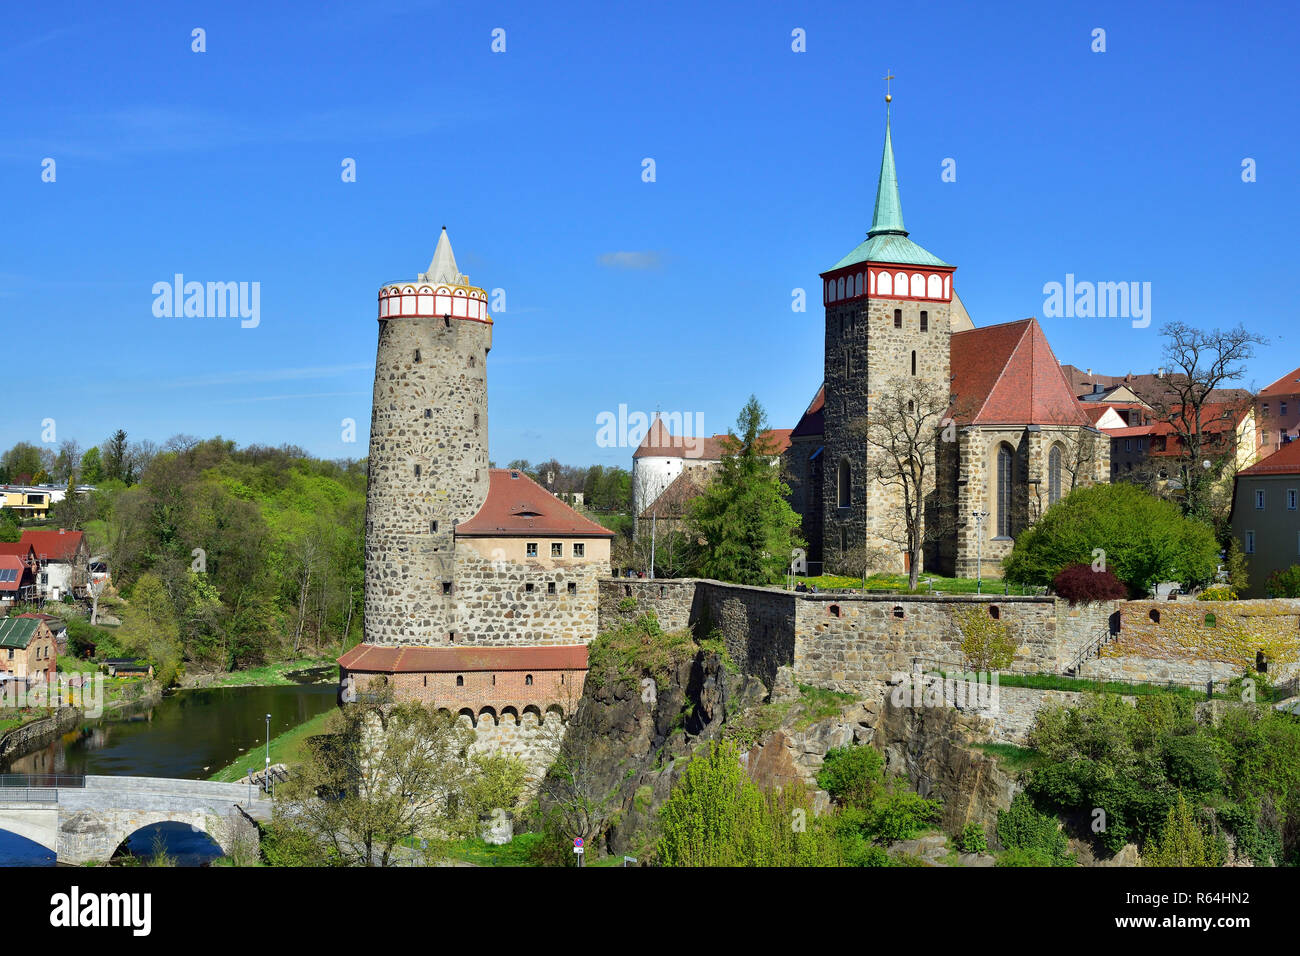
{"x":888,"y":76}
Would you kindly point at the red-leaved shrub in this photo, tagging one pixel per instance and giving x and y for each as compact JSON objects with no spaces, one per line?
{"x":1080,"y":584}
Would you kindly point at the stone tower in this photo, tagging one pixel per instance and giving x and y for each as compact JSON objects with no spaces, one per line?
{"x":888,"y":314}
{"x":428,"y":449}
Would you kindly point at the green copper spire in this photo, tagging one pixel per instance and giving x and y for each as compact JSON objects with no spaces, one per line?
{"x":888,"y":217}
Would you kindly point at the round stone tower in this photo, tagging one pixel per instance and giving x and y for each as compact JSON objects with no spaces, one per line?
{"x":428,"y":449}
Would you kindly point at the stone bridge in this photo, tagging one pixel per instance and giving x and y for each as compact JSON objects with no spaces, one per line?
{"x":84,"y":824}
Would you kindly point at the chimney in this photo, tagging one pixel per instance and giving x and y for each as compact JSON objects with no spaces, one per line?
{"x":1089,"y":372}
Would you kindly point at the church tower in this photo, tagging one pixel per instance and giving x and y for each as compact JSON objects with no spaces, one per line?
{"x":888,"y":316}
{"x":428,"y":466}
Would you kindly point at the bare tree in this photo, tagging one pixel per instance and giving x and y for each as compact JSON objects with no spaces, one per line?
{"x":902,"y":432}
{"x":1199,"y":363}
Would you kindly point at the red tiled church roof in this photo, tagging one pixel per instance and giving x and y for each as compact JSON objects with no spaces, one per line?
{"x":1007,"y":375}
{"x":813,"y":421}
{"x":518,"y":505}
{"x":375,"y":658}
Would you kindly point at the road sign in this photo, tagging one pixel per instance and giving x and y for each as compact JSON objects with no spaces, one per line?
{"x":577,"y":843}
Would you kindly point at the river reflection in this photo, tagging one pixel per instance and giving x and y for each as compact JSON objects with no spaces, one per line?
{"x":190,"y":734}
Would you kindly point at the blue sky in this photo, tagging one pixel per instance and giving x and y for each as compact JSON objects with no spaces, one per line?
{"x":225,"y":166}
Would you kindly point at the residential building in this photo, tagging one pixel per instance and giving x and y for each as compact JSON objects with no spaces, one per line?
{"x":1277,"y":413}
{"x":64,"y":560}
{"x":1265,"y":515}
{"x":27,"y":650}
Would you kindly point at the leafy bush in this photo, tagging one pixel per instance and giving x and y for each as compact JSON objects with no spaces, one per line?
{"x":972,"y":839}
{"x":1146,"y":540}
{"x":1192,"y":764}
{"x":853,"y":776}
{"x":1080,"y":584}
{"x":1024,"y":828}
{"x":637,"y":648}
{"x":986,"y":643}
{"x":1284,"y":584}
{"x":1220,"y":592}
{"x":902,"y":814}
{"x":1184,"y":841}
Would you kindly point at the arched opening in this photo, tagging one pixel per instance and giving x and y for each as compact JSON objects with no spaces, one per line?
{"x":1005,"y":464}
{"x":833,"y":610}
{"x":1211,"y":620}
{"x":1054,"y":475}
{"x":995,"y":612}
{"x":18,"y":850}
{"x":173,"y":844}
{"x":1154,"y":616}
{"x":528,"y":680}
{"x":898,"y":611}
{"x":845,"y":483}
{"x":460,"y":680}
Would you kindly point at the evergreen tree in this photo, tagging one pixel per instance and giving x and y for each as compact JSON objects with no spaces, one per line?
{"x":742,"y":526}
{"x":92,"y":467}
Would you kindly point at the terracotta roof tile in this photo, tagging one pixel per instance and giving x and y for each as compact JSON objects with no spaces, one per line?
{"x":53,"y":545}
{"x":518,"y":505}
{"x":1284,"y":461}
{"x":1007,"y":374}
{"x":1288,"y":384}
{"x":659,"y":442}
{"x":376,"y":658}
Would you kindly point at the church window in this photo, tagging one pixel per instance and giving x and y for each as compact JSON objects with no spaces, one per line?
{"x":914,"y":362}
{"x":839,"y":288}
{"x":460,"y":680}
{"x":528,"y":680}
{"x":1004,"y":491}
{"x":857,"y":285}
{"x":898,"y":318}
{"x":845,"y":479}
{"x":1054,"y":475}
{"x":925,"y":321}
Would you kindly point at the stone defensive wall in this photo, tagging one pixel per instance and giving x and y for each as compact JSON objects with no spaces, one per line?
{"x":855,"y":641}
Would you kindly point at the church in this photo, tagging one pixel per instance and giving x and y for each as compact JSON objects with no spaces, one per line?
{"x":1008,"y":437}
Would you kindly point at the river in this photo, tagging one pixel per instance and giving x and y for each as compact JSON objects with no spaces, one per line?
{"x":190,"y":734}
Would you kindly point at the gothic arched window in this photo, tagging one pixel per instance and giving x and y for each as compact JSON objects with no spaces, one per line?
{"x":845,"y":479}
{"x":1005,"y":462}
{"x":1054,"y":475}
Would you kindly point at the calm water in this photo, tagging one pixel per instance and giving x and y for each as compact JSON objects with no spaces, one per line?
{"x":191,"y":734}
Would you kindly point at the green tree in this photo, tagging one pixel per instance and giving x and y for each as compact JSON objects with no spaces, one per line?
{"x":1141,"y":539}
{"x":742,"y":525}
{"x":986,"y":643}
{"x":715,"y":815}
{"x":92,"y":466}
{"x":386,"y":775}
{"x":23,"y":462}
{"x":116,"y":452}
{"x":149,"y":628}
{"x":1183,"y":840}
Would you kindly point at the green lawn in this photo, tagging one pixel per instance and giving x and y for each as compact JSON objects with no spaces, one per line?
{"x":272,"y":674}
{"x":928,"y":582}
{"x":288,"y":749}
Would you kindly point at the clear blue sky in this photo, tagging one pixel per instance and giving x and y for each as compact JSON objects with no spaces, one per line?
{"x":225,"y":166}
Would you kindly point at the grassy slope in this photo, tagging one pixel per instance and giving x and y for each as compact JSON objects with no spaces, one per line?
{"x":286,"y":749}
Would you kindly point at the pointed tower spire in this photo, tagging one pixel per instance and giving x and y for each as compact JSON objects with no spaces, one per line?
{"x":443,"y":267}
{"x":888,"y":215}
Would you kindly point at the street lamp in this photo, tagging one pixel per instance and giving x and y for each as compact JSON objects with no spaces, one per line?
{"x":979,"y":517}
{"x":267,"y":773}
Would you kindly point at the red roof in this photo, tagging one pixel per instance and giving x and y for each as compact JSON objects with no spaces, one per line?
{"x":1284,"y":461}
{"x":58,"y":545}
{"x":1286,"y":385}
{"x":813,"y":421}
{"x":518,"y":505}
{"x":20,"y":549}
{"x":11,"y":562}
{"x":659,"y":442}
{"x":1007,"y":374}
{"x":375,"y":658}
